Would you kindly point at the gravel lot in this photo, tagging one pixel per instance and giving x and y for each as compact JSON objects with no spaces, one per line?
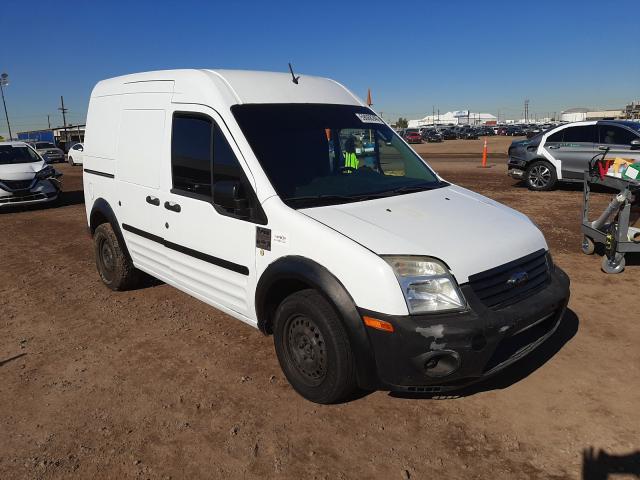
{"x":155,"y":384}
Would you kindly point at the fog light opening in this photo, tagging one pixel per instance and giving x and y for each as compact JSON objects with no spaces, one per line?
{"x":441,"y":364}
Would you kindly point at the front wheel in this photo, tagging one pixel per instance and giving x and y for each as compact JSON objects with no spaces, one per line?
{"x":541,"y":176}
{"x":613,"y":265}
{"x":313,"y":348}
{"x":71,"y":162}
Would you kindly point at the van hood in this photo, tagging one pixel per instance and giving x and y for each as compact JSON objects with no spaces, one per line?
{"x":20,"y":171}
{"x":468,"y":232}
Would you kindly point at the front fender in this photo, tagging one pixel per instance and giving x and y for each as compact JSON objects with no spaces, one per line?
{"x":304,"y":271}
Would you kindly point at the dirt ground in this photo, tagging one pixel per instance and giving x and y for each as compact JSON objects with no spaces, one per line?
{"x":155,"y":384}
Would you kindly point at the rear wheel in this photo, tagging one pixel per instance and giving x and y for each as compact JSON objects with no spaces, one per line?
{"x":541,"y":176}
{"x":116,"y":270}
{"x":313,"y":348}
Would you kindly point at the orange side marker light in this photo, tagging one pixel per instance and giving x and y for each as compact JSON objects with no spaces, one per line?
{"x":378,"y":324}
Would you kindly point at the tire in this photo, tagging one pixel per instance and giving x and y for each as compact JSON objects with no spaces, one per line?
{"x":313,"y":348}
{"x":588,"y":247}
{"x":541,"y":176}
{"x":115,"y":269}
{"x":615,"y":266}
{"x":71,"y":162}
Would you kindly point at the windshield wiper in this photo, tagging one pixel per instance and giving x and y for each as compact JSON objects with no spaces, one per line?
{"x":329,"y":199}
{"x":416,"y":188}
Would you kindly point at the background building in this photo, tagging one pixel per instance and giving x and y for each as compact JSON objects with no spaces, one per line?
{"x":64,"y":137}
{"x":458,"y":117}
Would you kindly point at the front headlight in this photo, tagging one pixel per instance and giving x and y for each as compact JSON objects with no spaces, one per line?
{"x":46,"y":172}
{"x":426,"y":284}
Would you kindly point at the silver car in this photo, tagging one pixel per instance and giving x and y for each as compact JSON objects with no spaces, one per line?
{"x":562,"y":154}
{"x":48,"y":151}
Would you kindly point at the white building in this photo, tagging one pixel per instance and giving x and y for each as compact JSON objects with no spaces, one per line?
{"x":459,"y":117}
{"x":574,"y":114}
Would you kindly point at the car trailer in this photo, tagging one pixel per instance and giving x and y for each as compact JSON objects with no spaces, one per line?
{"x":613,"y":235}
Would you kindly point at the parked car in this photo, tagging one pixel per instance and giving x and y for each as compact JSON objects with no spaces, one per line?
{"x":562,"y":154}
{"x":363,"y":275}
{"x":432,"y":136}
{"x":449,"y":134}
{"x":468,"y":134}
{"x":74,"y":157}
{"x":412,"y":137}
{"x":25,"y":178}
{"x":48,"y":151}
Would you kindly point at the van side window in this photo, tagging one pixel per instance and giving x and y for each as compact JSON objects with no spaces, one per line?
{"x":225,"y":163}
{"x":191,"y":153}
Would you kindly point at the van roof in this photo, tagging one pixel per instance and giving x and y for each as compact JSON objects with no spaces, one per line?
{"x":232,"y":87}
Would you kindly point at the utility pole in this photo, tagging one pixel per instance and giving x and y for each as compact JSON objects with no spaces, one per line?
{"x":49,"y":121}
{"x":64,"y":117}
{"x":526,"y":111}
{"x":4,"y":81}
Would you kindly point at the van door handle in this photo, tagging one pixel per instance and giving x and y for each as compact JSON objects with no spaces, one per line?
{"x":153,"y":200}
{"x":553,"y":147}
{"x":603,"y":147}
{"x":174,"y":207}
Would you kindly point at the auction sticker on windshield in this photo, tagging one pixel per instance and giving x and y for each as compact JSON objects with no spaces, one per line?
{"x":369,"y":118}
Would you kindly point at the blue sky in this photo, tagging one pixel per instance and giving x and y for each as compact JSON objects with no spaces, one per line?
{"x":481,"y":55}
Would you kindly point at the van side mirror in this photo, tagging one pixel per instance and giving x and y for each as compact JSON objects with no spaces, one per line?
{"x":635,"y":144}
{"x":228,"y":194}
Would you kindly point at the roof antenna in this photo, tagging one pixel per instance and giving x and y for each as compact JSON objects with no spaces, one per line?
{"x":295,"y":79}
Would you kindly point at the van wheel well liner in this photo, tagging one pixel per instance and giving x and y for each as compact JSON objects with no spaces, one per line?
{"x":290,"y":274}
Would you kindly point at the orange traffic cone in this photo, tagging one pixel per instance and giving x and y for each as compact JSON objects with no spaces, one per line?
{"x":484,"y":154}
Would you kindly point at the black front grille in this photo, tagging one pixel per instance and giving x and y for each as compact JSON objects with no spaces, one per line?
{"x":17,"y":184}
{"x":494,"y":288}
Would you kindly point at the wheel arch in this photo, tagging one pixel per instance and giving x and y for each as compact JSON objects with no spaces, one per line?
{"x":290,"y":274}
{"x":101,"y":212}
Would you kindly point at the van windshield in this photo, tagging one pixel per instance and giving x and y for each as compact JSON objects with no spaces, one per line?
{"x":10,"y":154}
{"x":329,"y":154}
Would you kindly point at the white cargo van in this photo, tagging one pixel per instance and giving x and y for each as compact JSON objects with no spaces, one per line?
{"x":293,"y":207}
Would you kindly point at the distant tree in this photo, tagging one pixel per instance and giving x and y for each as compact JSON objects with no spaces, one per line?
{"x":1,"y":138}
{"x":402,"y":123}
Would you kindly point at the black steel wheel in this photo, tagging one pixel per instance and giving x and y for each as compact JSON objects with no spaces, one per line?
{"x":313,"y":348}
{"x":306,"y":348}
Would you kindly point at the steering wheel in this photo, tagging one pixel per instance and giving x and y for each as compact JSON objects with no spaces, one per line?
{"x":347,"y":169}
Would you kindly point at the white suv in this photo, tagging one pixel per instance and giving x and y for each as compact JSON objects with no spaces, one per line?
{"x":290,"y":205}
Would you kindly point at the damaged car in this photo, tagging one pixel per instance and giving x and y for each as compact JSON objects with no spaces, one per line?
{"x":25,"y":178}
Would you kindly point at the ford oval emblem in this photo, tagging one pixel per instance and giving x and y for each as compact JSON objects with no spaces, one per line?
{"x":517,"y":279}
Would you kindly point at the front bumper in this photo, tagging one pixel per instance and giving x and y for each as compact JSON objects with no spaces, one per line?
{"x":443,"y":352}
{"x":41,"y":192}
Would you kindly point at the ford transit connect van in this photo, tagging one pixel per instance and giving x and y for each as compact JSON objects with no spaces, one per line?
{"x":291,"y":206}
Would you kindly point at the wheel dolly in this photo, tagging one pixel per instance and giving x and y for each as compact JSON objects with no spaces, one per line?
{"x":615,"y":235}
